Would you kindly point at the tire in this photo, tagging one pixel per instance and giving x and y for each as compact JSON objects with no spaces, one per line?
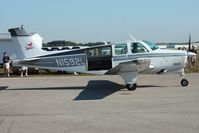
{"x":184,"y":82}
{"x":131,"y":87}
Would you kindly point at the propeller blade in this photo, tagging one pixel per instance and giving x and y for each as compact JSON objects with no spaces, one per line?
{"x":189,"y":42}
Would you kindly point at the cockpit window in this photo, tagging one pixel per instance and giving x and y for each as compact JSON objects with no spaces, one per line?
{"x":120,"y":49}
{"x":153,"y":46}
{"x":138,"y":48}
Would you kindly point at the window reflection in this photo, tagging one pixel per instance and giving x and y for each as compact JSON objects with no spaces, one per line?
{"x":99,"y":52}
{"x":120,"y":49}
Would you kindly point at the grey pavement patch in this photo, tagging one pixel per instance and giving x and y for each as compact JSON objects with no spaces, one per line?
{"x":99,"y":104}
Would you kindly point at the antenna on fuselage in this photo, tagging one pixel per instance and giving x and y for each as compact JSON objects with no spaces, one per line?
{"x":104,"y":42}
{"x":132,"y":37}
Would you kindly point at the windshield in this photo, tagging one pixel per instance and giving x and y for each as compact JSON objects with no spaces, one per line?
{"x":153,"y":46}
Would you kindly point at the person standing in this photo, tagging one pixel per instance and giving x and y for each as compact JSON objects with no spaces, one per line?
{"x":193,"y":58}
{"x":6,"y":64}
{"x":24,"y":69}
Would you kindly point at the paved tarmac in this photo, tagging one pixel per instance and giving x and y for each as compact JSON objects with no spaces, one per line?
{"x":99,"y":104}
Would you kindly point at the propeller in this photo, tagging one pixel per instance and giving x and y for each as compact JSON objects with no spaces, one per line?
{"x":189,"y":42}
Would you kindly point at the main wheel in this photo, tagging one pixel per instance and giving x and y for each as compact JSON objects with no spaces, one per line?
{"x":131,"y":87}
{"x":184,"y":82}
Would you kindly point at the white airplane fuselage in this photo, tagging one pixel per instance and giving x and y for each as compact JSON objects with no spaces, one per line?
{"x":161,"y":61}
{"x":127,"y":59}
{"x":166,"y":61}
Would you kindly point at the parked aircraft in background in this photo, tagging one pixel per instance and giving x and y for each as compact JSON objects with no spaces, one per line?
{"x":127,"y":59}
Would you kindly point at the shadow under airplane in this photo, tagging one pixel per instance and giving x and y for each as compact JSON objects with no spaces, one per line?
{"x":98,"y":89}
{"x":3,"y":87}
{"x":95,"y":89}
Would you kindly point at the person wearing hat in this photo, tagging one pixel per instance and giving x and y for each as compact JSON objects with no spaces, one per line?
{"x":6,"y":64}
{"x":193,"y":58}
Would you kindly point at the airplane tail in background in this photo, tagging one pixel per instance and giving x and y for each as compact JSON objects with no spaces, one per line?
{"x":26,"y":45}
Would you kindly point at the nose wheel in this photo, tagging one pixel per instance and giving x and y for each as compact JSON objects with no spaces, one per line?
{"x":184,"y":82}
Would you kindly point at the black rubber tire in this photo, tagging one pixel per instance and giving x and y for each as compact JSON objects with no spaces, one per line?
{"x":184,"y":82}
{"x":131,"y":87}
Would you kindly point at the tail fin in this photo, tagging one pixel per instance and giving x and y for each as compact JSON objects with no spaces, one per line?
{"x":27,"y":46}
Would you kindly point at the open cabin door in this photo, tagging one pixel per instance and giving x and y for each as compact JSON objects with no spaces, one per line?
{"x":99,"y":58}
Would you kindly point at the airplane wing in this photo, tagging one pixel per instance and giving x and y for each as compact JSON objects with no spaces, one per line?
{"x":130,"y":66}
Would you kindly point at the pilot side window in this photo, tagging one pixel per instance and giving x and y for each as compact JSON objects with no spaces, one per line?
{"x":138,"y":48}
{"x":120,"y":49}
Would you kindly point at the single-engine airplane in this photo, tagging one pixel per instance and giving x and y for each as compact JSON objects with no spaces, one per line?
{"x":127,"y":59}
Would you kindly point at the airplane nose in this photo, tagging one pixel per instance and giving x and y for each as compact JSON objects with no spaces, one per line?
{"x":184,"y":57}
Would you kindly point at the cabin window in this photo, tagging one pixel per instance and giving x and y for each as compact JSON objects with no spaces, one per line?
{"x":99,"y":52}
{"x":120,"y":49}
{"x":138,"y":48}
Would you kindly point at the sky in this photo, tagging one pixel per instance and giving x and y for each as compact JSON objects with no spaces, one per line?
{"x":109,"y":20}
